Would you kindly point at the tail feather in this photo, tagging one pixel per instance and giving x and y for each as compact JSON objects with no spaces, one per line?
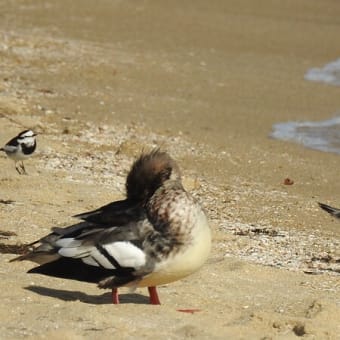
{"x":46,"y":249}
{"x":331,"y":210}
{"x":72,"y":269}
{"x":39,"y":257}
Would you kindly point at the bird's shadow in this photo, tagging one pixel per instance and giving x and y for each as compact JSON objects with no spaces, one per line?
{"x":102,"y":299}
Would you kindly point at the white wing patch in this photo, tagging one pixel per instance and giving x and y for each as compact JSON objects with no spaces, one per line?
{"x":126,"y":254}
{"x":68,"y":242}
{"x":10,"y":148}
{"x":98,"y":257}
{"x":69,"y":247}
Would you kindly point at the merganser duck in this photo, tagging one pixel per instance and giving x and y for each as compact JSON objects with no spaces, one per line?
{"x":157,"y":235}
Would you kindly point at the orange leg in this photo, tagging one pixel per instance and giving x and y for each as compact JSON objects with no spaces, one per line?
{"x":154,"y":300}
{"x":115,"y":296}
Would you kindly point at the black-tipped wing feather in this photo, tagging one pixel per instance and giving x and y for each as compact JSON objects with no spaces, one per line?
{"x":333,"y":211}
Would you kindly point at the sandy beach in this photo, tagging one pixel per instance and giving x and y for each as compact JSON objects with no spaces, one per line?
{"x":100,"y":82}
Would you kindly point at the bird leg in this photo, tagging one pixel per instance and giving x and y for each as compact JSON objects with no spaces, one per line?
{"x":20,"y":168}
{"x":17,"y":168}
{"x":154,"y":300}
{"x":115,"y":296}
{"x":23,"y":168}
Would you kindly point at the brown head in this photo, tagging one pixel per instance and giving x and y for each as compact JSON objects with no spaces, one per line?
{"x":148,"y":173}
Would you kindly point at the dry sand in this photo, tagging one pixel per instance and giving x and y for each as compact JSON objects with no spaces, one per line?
{"x":205,"y":82}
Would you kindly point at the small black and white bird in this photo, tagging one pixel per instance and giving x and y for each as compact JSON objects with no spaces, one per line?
{"x":20,"y":148}
{"x":333,"y":211}
{"x":157,"y":235}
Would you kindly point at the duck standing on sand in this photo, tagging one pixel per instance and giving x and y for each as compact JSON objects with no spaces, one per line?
{"x":157,"y":235}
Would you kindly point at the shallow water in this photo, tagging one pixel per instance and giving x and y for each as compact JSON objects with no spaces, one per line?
{"x":329,"y":73}
{"x":322,"y":135}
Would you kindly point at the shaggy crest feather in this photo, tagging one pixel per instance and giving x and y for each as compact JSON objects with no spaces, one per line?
{"x":148,"y":173}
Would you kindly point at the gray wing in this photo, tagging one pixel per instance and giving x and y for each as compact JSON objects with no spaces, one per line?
{"x":10,"y":148}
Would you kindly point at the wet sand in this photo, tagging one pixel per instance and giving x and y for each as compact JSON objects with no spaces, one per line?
{"x":206,"y":82}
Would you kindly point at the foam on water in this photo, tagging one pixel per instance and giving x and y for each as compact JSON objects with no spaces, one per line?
{"x":330,"y":73}
{"x":322,"y":135}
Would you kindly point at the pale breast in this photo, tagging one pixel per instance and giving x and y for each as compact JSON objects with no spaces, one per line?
{"x":186,"y":261}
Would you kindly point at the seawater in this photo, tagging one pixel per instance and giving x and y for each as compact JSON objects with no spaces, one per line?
{"x":329,"y":74}
{"x":321,"y":135}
